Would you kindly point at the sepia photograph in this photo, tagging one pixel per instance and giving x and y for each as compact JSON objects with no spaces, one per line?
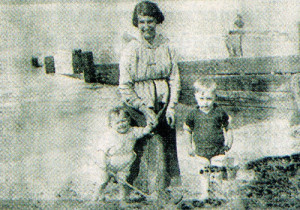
{"x":150,"y":104}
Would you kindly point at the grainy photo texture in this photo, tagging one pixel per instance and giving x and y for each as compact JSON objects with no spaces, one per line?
{"x":165,"y":104}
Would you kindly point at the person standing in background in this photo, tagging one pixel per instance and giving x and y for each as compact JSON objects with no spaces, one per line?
{"x":234,"y":38}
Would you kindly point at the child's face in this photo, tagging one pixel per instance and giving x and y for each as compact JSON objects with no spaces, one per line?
{"x":120,"y":123}
{"x":205,"y":99}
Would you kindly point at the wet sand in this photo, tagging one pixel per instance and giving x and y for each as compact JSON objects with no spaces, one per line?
{"x":50,"y":122}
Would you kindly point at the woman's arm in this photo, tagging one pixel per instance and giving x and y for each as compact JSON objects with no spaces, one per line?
{"x":189,"y":136}
{"x":174,"y":80}
{"x":228,"y":134}
{"x":126,"y":84}
{"x":174,"y":83}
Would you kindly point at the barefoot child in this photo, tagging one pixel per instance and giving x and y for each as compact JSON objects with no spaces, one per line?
{"x":205,"y":127}
{"x":117,"y":149}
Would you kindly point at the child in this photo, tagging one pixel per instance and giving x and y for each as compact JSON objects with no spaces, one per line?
{"x":205,"y":127}
{"x":117,"y":150}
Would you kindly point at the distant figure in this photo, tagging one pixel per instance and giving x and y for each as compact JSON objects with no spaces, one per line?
{"x":234,"y":38}
{"x":117,"y":150}
{"x":206,"y":127}
{"x":295,"y":121}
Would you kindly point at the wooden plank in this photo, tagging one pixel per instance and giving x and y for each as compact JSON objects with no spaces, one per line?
{"x":279,"y":100}
{"x":107,"y":73}
{"x":191,"y":70}
{"x":242,"y":82}
{"x":261,"y":97}
{"x":259,"y":83}
{"x":235,"y":66}
{"x":76,"y":61}
{"x":88,"y":67}
{"x":49,"y":64}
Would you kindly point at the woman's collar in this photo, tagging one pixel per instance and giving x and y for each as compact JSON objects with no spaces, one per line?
{"x":158,"y":40}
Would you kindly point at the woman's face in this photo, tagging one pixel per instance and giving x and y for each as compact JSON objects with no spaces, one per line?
{"x":147,"y":27}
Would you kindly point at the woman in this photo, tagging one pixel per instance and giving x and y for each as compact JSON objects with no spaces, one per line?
{"x":149,"y":85}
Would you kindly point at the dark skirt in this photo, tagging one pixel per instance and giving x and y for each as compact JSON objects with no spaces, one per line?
{"x":156,"y":165}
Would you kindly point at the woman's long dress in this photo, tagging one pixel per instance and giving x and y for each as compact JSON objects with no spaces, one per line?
{"x":149,"y":76}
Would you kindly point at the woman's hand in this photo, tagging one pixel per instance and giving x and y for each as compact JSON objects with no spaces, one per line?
{"x":150,"y":116}
{"x":170,"y":116}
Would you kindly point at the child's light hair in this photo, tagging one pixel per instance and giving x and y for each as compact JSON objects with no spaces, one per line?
{"x":117,"y":111}
{"x":205,"y":84}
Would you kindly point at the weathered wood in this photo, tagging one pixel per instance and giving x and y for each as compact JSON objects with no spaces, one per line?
{"x":295,"y":89}
{"x":271,"y":100}
{"x":49,"y":64}
{"x":233,"y":66}
{"x":107,"y":73}
{"x":88,"y":67}
{"x":237,"y":85}
{"x":35,"y":62}
{"x":259,"y":83}
{"x":76,"y":61}
{"x":253,"y":67}
{"x":242,"y":82}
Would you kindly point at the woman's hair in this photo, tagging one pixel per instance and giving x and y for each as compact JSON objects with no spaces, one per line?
{"x":117,"y":111}
{"x":147,"y":8}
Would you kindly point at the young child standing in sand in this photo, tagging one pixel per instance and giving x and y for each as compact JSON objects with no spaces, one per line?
{"x":205,"y":127}
{"x":117,"y":149}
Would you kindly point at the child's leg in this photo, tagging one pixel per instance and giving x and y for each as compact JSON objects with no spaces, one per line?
{"x":101,"y":193}
{"x":121,"y":177}
{"x":218,"y":174}
{"x":205,"y":180}
{"x":195,"y":185}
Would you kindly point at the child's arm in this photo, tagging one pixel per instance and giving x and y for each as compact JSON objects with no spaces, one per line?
{"x":140,"y":132}
{"x":148,"y":129}
{"x":228,"y":134}
{"x":189,"y":135}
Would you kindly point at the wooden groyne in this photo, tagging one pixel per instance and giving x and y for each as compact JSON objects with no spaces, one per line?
{"x":261,"y":82}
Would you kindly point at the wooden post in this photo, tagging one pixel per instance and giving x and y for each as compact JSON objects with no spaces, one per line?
{"x":76,"y":61}
{"x":295,"y":89}
{"x":35,"y":62}
{"x":88,"y":67}
{"x":298,"y":38}
{"x":49,"y":64}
